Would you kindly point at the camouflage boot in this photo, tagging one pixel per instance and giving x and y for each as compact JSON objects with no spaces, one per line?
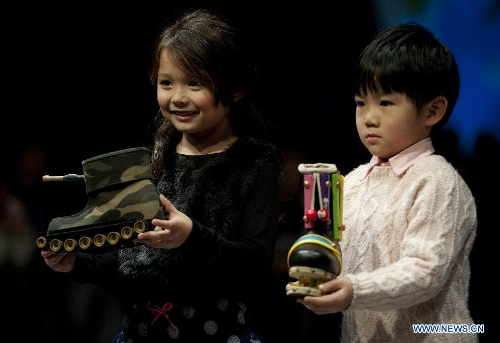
{"x":122,"y":201}
{"x":316,"y":256}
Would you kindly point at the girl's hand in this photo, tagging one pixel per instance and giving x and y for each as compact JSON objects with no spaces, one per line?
{"x":337,"y":296}
{"x":169,"y":233}
{"x":59,"y":261}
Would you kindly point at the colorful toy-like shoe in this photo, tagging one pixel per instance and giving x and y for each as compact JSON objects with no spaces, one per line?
{"x":122,"y":201}
{"x":316,"y":256}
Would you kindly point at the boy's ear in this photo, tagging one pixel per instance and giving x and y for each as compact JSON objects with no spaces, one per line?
{"x":436,"y":110}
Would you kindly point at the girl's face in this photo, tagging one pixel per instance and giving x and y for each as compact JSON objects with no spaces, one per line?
{"x":388,"y":123}
{"x":188,"y":105}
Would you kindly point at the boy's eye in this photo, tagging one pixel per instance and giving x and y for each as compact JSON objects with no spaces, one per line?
{"x":165,"y":83}
{"x":359,"y":103}
{"x":384,"y":103}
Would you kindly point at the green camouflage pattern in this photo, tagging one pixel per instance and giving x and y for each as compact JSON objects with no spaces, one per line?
{"x":120,"y":193}
{"x":116,"y":168}
{"x":138,"y":200}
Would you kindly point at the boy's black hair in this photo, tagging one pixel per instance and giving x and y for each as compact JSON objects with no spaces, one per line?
{"x":408,"y":59}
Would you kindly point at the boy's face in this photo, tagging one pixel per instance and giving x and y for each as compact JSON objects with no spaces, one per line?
{"x":388,"y":123}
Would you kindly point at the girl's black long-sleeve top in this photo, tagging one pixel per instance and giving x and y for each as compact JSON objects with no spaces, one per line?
{"x":232,"y":198}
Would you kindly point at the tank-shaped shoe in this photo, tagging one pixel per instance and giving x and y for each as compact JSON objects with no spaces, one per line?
{"x":316,"y":256}
{"x":122,"y":201}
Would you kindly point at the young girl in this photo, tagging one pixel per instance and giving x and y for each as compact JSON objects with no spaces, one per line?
{"x":197,"y":276}
{"x":410,"y":219}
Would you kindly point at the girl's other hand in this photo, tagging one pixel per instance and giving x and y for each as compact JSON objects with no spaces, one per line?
{"x":169,"y":233}
{"x":59,"y":261}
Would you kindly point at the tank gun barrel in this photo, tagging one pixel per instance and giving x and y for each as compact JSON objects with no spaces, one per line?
{"x":66,"y":178}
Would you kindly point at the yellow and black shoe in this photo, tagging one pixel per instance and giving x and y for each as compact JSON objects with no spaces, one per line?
{"x":316,"y":257}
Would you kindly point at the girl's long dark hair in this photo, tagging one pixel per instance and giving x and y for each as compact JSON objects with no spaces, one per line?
{"x":208,"y":47}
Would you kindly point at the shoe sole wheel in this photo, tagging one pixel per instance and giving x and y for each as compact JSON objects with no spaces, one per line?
{"x":113,"y":237}
{"x":55,"y":244}
{"x":99,"y":240}
{"x":41,"y":242}
{"x":70,"y":244}
{"x":84,"y":242}
{"x":139,"y":226}
{"x":127,"y":232}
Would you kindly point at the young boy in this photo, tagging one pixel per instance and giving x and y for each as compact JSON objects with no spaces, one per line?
{"x":410,"y":219}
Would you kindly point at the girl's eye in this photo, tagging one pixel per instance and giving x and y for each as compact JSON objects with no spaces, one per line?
{"x":384,"y":103}
{"x":194,"y":84}
{"x":359,"y":103}
{"x":165,"y":83}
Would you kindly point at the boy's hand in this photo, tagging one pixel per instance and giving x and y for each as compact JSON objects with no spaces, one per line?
{"x":337,"y":296}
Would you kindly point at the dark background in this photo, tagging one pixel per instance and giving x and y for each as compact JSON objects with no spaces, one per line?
{"x":80,"y":87}
{"x":77,"y":86}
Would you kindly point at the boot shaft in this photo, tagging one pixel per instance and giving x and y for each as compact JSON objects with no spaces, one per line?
{"x":116,"y":167}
